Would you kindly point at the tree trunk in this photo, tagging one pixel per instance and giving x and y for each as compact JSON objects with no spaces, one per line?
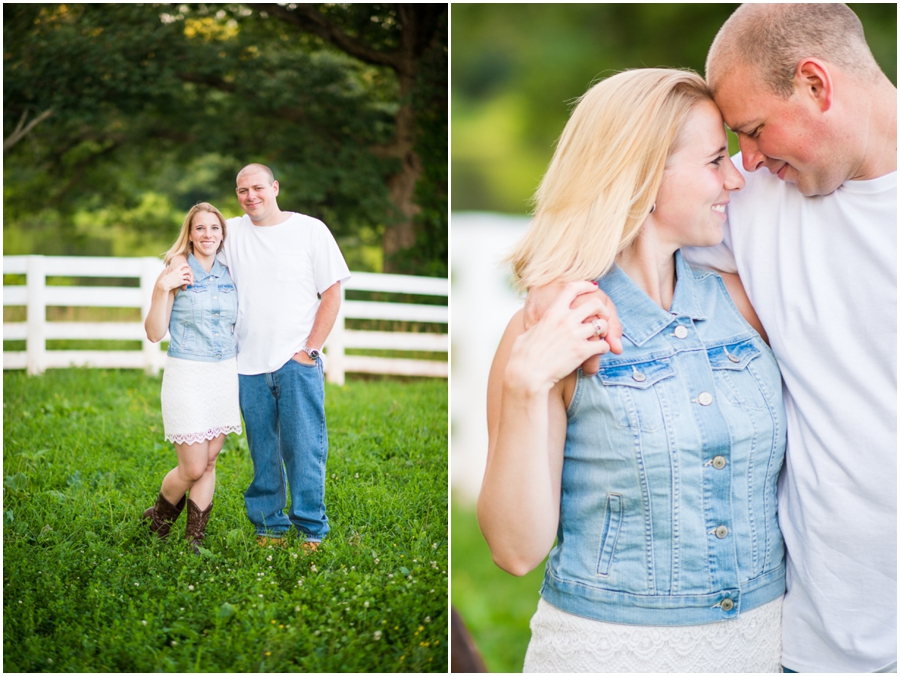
{"x":416,"y":32}
{"x":401,"y":234}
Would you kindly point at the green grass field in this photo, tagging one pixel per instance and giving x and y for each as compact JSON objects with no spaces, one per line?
{"x":495,"y":605}
{"x":87,"y":588}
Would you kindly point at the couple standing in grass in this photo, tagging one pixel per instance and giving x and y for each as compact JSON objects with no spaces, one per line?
{"x":246,"y":326}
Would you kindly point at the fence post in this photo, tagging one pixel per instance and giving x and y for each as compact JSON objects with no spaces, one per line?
{"x":335,"y":342}
{"x":149,"y":273}
{"x":36,"y":344}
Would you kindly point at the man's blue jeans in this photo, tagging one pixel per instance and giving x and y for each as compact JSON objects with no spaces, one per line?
{"x":284,"y":415}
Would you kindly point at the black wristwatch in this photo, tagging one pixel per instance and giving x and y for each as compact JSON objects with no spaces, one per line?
{"x":313,"y":354}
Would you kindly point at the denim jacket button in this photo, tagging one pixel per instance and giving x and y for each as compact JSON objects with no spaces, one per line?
{"x":721,"y":532}
{"x":727,"y":604}
{"x":705,"y":398}
{"x":719,"y":462}
{"x":681,"y":332}
{"x":639,"y":377}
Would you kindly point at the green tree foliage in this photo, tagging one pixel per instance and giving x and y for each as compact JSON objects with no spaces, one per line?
{"x":151,"y":108}
{"x":517,"y":70}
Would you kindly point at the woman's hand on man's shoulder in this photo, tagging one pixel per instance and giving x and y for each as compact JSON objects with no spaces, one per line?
{"x":177,"y":274}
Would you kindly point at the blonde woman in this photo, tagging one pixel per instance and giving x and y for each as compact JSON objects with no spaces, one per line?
{"x":196,"y":303}
{"x":656,"y":476}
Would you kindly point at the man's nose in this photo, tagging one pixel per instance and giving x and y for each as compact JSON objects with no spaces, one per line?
{"x":751,"y":156}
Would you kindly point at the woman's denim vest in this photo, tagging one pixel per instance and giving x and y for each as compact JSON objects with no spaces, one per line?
{"x":201,"y":327}
{"x":668,"y":512}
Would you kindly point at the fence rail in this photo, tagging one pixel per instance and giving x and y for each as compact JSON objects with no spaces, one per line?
{"x":36,"y":297}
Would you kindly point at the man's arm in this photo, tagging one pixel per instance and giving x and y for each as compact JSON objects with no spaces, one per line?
{"x":324,"y":321}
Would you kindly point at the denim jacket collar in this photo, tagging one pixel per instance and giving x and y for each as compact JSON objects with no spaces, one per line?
{"x":200,"y":275}
{"x":642,"y":318}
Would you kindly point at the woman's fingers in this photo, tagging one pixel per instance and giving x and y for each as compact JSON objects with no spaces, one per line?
{"x":600,"y":326}
{"x":541,"y":299}
{"x":614,"y":330}
{"x":608,"y":313}
{"x":180,"y":276}
{"x":579,"y":299}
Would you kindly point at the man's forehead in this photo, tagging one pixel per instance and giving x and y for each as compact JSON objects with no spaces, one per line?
{"x":739,"y":100}
{"x":255,"y":180}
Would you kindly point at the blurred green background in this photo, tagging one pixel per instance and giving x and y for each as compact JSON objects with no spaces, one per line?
{"x":515,"y":69}
{"x":117,"y":118}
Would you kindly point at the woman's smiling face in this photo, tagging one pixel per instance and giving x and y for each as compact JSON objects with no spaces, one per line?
{"x":206,"y":234}
{"x":696,"y":183}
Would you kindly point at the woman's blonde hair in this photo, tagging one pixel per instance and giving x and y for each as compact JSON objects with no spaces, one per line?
{"x":604,"y":175}
{"x":183,"y":244}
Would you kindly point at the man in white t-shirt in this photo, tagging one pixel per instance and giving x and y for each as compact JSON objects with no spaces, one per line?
{"x":814,"y":240}
{"x":282,"y":263}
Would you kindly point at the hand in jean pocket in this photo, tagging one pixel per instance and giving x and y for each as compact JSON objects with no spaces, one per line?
{"x":303,"y":358}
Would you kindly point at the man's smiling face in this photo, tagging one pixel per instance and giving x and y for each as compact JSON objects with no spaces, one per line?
{"x":257,"y":196}
{"x":785,"y":136}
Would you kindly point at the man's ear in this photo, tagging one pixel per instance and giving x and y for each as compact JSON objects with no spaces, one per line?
{"x":813,"y":80}
{"x":275,"y":187}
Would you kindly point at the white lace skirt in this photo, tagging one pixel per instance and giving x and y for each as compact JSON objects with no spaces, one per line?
{"x":562,"y":642}
{"x":199,"y":400}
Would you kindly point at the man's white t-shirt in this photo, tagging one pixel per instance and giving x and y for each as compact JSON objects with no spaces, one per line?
{"x":278,"y":270}
{"x":821,"y":273}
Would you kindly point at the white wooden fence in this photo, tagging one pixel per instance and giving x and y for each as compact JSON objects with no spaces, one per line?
{"x":36,"y":296}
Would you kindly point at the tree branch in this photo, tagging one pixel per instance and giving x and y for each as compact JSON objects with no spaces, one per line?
{"x":308,"y":19}
{"x":19,"y":133}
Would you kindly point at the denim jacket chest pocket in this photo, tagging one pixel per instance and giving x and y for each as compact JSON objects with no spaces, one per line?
{"x":641,"y":393}
{"x":736,"y":376}
{"x":227,"y":306}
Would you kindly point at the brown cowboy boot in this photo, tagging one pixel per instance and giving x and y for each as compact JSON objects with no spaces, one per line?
{"x":197,"y":519}
{"x":163,"y":514}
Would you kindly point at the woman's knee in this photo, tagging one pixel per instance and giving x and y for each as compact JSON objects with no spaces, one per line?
{"x":192,"y":470}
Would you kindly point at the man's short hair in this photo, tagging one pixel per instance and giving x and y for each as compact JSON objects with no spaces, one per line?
{"x":254,"y":169}
{"x":773,"y":38}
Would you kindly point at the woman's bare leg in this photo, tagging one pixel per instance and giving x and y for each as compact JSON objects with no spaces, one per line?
{"x":203,"y":488}
{"x":193,"y":460}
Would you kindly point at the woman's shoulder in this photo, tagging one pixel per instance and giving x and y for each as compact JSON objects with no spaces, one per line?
{"x":176,"y":260}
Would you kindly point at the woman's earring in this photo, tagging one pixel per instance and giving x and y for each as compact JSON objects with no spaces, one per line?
{"x":653,"y":208}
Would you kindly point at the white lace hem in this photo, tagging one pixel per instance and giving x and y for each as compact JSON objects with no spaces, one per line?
{"x":197,"y":437}
{"x":565,"y":643}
